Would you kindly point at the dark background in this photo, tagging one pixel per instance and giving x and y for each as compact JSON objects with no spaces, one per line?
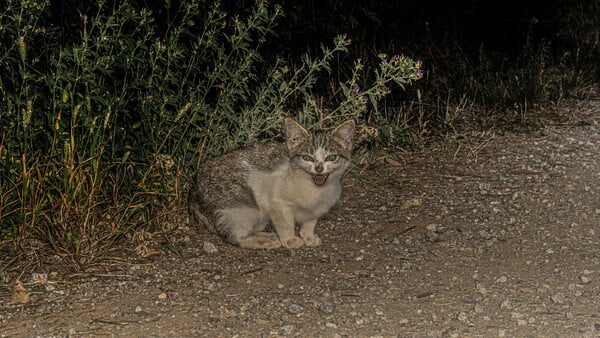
{"x":497,"y":55}
{"x":393,"y":25}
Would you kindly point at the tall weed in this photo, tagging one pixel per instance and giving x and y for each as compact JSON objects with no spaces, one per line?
{"x":95,"y":130}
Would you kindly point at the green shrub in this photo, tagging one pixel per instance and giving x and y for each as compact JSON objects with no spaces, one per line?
{"x":97,"y":129}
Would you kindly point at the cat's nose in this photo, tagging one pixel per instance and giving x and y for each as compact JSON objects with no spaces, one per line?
{"x":319,"y":167}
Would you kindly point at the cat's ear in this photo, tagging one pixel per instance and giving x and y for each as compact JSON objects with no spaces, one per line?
{"x":344,"y":133}
{"x":295,"y":133}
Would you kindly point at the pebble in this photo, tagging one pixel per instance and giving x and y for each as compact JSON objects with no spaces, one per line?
{"x":506,"y":304}
{"x":558,"y":298}
{"x":287,"y":329}
{"x":210,"y":248}
{"x":416,"y":202}
{"x":38,"y":278}
{"x":295,"y":309}
{"x":432,"y":236}
{"x":327,"y":307}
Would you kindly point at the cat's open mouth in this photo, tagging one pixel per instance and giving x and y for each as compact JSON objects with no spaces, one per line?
{"x":320,"y":179}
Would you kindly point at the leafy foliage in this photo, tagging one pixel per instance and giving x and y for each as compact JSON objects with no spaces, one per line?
{"x":96,"y":129}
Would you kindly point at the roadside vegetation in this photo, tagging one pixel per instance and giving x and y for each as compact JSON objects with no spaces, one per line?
{"x":107,"y":108}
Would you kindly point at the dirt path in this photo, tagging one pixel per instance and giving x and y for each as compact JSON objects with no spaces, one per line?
{"x":496,"y":238}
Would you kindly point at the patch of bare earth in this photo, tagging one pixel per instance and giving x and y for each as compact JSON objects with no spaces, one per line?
{"x":494,"y":238}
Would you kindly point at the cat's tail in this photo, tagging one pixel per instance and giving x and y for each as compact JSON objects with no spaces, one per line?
{"x":196,"y":211}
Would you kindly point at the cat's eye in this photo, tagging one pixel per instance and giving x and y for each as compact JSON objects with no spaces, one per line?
{"x":331,"y":158}
{"x":307,"y":158}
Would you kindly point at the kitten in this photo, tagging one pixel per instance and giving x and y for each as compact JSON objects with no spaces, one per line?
{"x":240,"y":194}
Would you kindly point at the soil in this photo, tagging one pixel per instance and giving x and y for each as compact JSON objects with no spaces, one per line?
{"x":487,"y":235}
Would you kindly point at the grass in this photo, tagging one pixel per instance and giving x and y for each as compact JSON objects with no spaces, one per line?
{"x":107,"y":126}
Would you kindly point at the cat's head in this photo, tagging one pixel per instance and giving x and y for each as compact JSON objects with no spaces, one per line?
{"x":321,"y":154}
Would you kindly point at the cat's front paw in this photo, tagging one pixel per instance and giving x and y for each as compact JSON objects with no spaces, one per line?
{"x":312,"y":240}
{"x":293,"y":242}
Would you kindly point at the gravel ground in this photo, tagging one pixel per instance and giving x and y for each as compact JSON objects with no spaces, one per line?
{"x":488,"y":236}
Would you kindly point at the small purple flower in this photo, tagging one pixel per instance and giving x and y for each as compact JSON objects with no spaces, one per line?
{"x":399,"y":58}
{"x":418,"y":72}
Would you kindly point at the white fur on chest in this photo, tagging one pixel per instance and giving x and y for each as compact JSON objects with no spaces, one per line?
{"x":292,"y":191}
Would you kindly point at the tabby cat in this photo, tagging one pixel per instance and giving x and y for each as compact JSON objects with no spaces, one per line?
{"x":241,"y":194}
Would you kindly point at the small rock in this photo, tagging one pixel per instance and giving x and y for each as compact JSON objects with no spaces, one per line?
{"x":415,"y":202}
{"x":38,"y":278}
{"x":462,"y":317}
{"x":585,"y":280}
{"x":295,"y":309}
{"x":502,"y":279}
{"x":484,"y":234}
{"x":162,"y":296}
{"x":210,"y":287}
{"x":138,"y":309}
{"x":287,"y":329}
{"x":432,"y":236}
{"x":516,"y":315}
{"x":327,"y":307}
{"x":210,"y":248}
{"x":558,"y":298}
{"x":506,"y":304}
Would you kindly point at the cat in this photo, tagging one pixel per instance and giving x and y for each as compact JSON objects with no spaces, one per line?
{"x":241,"y":194}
